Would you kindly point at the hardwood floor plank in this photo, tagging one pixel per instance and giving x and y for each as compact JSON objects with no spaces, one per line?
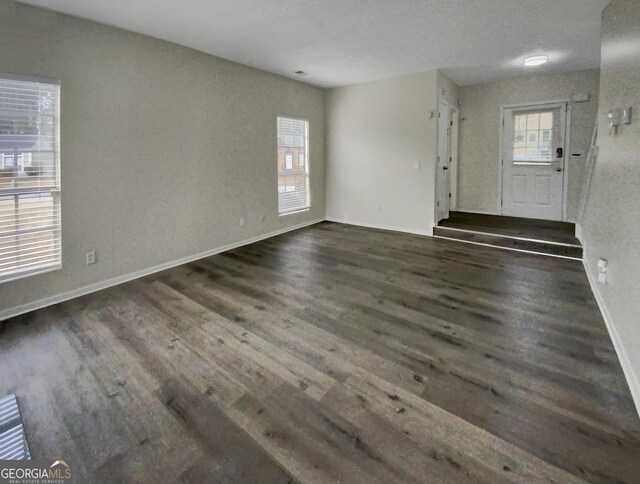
{"x":330,"y":354}
{"x":312,"y":442}
{"x":245,"y":343}
{"x":233,"y":458}
{"x":467,"y":448}
{"x":494,"y":351}
{"x":320,"y":349}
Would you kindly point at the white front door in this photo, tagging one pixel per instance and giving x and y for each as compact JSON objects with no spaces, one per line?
{"x":533,"y":156}
{"x":442,"y":175}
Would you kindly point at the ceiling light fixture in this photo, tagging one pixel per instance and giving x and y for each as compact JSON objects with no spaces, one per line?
{"x":536,"y":60}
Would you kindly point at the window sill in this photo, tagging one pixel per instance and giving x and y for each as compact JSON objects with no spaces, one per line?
{"x":293,"y":212}
{"x":32,"y":272}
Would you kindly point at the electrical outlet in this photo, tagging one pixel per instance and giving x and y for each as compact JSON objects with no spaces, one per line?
{"x":91,"y":257}
{"x":603,"y":269}
{"x":241,"y":221}
{"x":262,"y":218}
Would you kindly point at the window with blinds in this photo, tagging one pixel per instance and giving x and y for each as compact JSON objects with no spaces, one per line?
{"x":293,"y":178}
{"x":29,"y":178}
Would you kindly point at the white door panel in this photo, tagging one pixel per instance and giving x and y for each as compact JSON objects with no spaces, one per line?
{"x":442,"y":176}
{"x":518,"y":188}
{"x":543,"y":190}
{"x":533,"y":156}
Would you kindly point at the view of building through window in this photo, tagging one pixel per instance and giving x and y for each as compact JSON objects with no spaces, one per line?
{"x":29,"y":178}
{"x":533,"y":136}
{"x":293,"y":165}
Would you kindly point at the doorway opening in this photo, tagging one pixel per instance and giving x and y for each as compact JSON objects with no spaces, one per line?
{"x":447,"y":160}
{"x":532,"y":184}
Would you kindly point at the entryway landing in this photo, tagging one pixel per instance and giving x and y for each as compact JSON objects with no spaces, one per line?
{"x":542,"y":237}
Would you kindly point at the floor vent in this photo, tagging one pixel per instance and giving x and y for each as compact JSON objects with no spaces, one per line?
{"x":13,"y":441}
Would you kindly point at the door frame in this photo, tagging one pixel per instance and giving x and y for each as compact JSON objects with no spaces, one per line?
{"x":444,"y":147}
{"x":452,"y":149}
{"x":454,"y":137}
{"x":567,"y":143}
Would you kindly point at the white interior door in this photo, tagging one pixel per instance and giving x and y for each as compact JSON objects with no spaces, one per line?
{"x":533,"y":161}
{"x":442,"y":169}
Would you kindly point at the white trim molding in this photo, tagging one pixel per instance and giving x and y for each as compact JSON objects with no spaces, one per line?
{"x":579,"y":234}
{"x":481,"y":212}
{"x":65,"y":296}
{"x":504,"y":248}
{"x":455,"y":156}
{"x":629,"y":374}
{"x":504,"y":236}
{"x":428,"y":233}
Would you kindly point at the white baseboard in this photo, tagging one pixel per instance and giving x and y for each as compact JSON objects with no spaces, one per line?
{"x":579,"y":233}
{"x":65,"y":296}
{"x":428,"y":233}
{"x":481,"y":212}
{"x":625,"y":362}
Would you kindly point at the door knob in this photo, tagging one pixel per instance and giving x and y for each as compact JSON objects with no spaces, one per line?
{"x":445,"y":167}
{"x":558,"y":169}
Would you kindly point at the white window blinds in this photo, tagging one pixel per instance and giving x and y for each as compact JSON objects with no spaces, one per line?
{"x":293,"y":179}
{"x":29,"y":178}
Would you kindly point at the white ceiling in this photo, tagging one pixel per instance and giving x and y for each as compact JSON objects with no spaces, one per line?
{"x":339,"y":42}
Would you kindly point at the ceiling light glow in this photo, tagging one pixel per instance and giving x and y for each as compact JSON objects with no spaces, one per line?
{"x":536,"y":60}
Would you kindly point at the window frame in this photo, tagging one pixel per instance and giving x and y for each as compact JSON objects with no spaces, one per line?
{"x":54,"y":191}
{"x":307,"y":171}
{"x":533,"y":138}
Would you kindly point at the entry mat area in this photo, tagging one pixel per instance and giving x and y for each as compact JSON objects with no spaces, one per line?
{"x":13,"y":441}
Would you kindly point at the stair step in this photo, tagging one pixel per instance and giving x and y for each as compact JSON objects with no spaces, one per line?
{"x":542,"y":247}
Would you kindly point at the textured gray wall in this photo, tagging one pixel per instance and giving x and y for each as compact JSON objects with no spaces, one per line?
{"x":478,"y":187}
{"x":377,"y":131}
{"x":163,"y":148}
{"x":611,"y":223}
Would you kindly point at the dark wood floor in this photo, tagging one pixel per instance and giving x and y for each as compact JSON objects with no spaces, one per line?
{"x":330,"y":354}
{"x":549,"y":230}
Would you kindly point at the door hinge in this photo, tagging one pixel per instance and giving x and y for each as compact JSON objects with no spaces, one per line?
{"x":450,"y":158}
{"x":449,"y":194}
{"x":450,"y":123}
{"x":437,"y":203}
{"x":439,"y":114}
